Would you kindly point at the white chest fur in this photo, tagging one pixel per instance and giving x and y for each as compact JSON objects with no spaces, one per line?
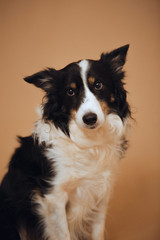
{"x":84,"y":164}
{"x":85,"y":175}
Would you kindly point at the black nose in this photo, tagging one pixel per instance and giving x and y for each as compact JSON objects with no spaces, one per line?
{"x":90,"y":118}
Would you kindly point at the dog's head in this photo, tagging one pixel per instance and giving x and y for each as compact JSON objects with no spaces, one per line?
{"x":85,"y":91}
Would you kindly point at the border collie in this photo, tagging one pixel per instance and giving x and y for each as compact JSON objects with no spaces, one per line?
{"x":58,"y":182}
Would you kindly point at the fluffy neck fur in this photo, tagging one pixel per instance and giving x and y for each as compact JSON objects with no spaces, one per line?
{"x":84,"y":163}
{"x":110,"y":135}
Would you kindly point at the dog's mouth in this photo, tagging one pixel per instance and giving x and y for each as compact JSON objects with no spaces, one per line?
{"x":92,"y":127}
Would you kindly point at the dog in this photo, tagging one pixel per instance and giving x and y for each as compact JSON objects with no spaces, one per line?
{"x":59,"y":179}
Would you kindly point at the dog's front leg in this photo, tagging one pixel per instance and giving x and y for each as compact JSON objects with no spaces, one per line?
{"x":98,"y":226}
{"x":52,"y":210}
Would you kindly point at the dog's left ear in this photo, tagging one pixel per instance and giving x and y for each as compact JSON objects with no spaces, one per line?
{"x":117,"y":57}
{"x":43,"y":79}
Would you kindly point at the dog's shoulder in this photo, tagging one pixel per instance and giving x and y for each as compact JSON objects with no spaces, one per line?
{"x":28,"y":169}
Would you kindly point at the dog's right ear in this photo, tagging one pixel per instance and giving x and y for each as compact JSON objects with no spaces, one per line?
{"x":43,"y":79}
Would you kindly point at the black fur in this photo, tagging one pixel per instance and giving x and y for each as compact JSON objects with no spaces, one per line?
{"x":29,"y":170}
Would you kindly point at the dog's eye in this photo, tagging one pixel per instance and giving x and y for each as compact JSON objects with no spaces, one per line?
{"x":98,"y":86}
{"x":70,"y":92}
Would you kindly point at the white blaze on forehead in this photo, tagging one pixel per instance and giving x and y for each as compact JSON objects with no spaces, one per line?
{"x":84,"y":65}
{"x":90,"y":102}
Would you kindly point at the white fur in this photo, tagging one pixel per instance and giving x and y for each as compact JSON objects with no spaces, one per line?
{"x":84,"y":166}
{"x":84,"y":65}
{"x":90,"y":102}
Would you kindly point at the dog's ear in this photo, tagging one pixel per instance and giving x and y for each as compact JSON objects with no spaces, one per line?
{"x":117,"y":58}
{"x":43,"y":79}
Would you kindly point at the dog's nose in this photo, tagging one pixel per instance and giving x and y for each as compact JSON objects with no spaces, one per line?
{"x":90,"y":118}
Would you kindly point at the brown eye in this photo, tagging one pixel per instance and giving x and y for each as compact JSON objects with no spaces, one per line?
{"x":70,"y":92}
{"x":98,"y":86}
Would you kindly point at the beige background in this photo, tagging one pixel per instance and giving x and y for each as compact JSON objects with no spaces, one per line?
{"x":36,"y":34}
